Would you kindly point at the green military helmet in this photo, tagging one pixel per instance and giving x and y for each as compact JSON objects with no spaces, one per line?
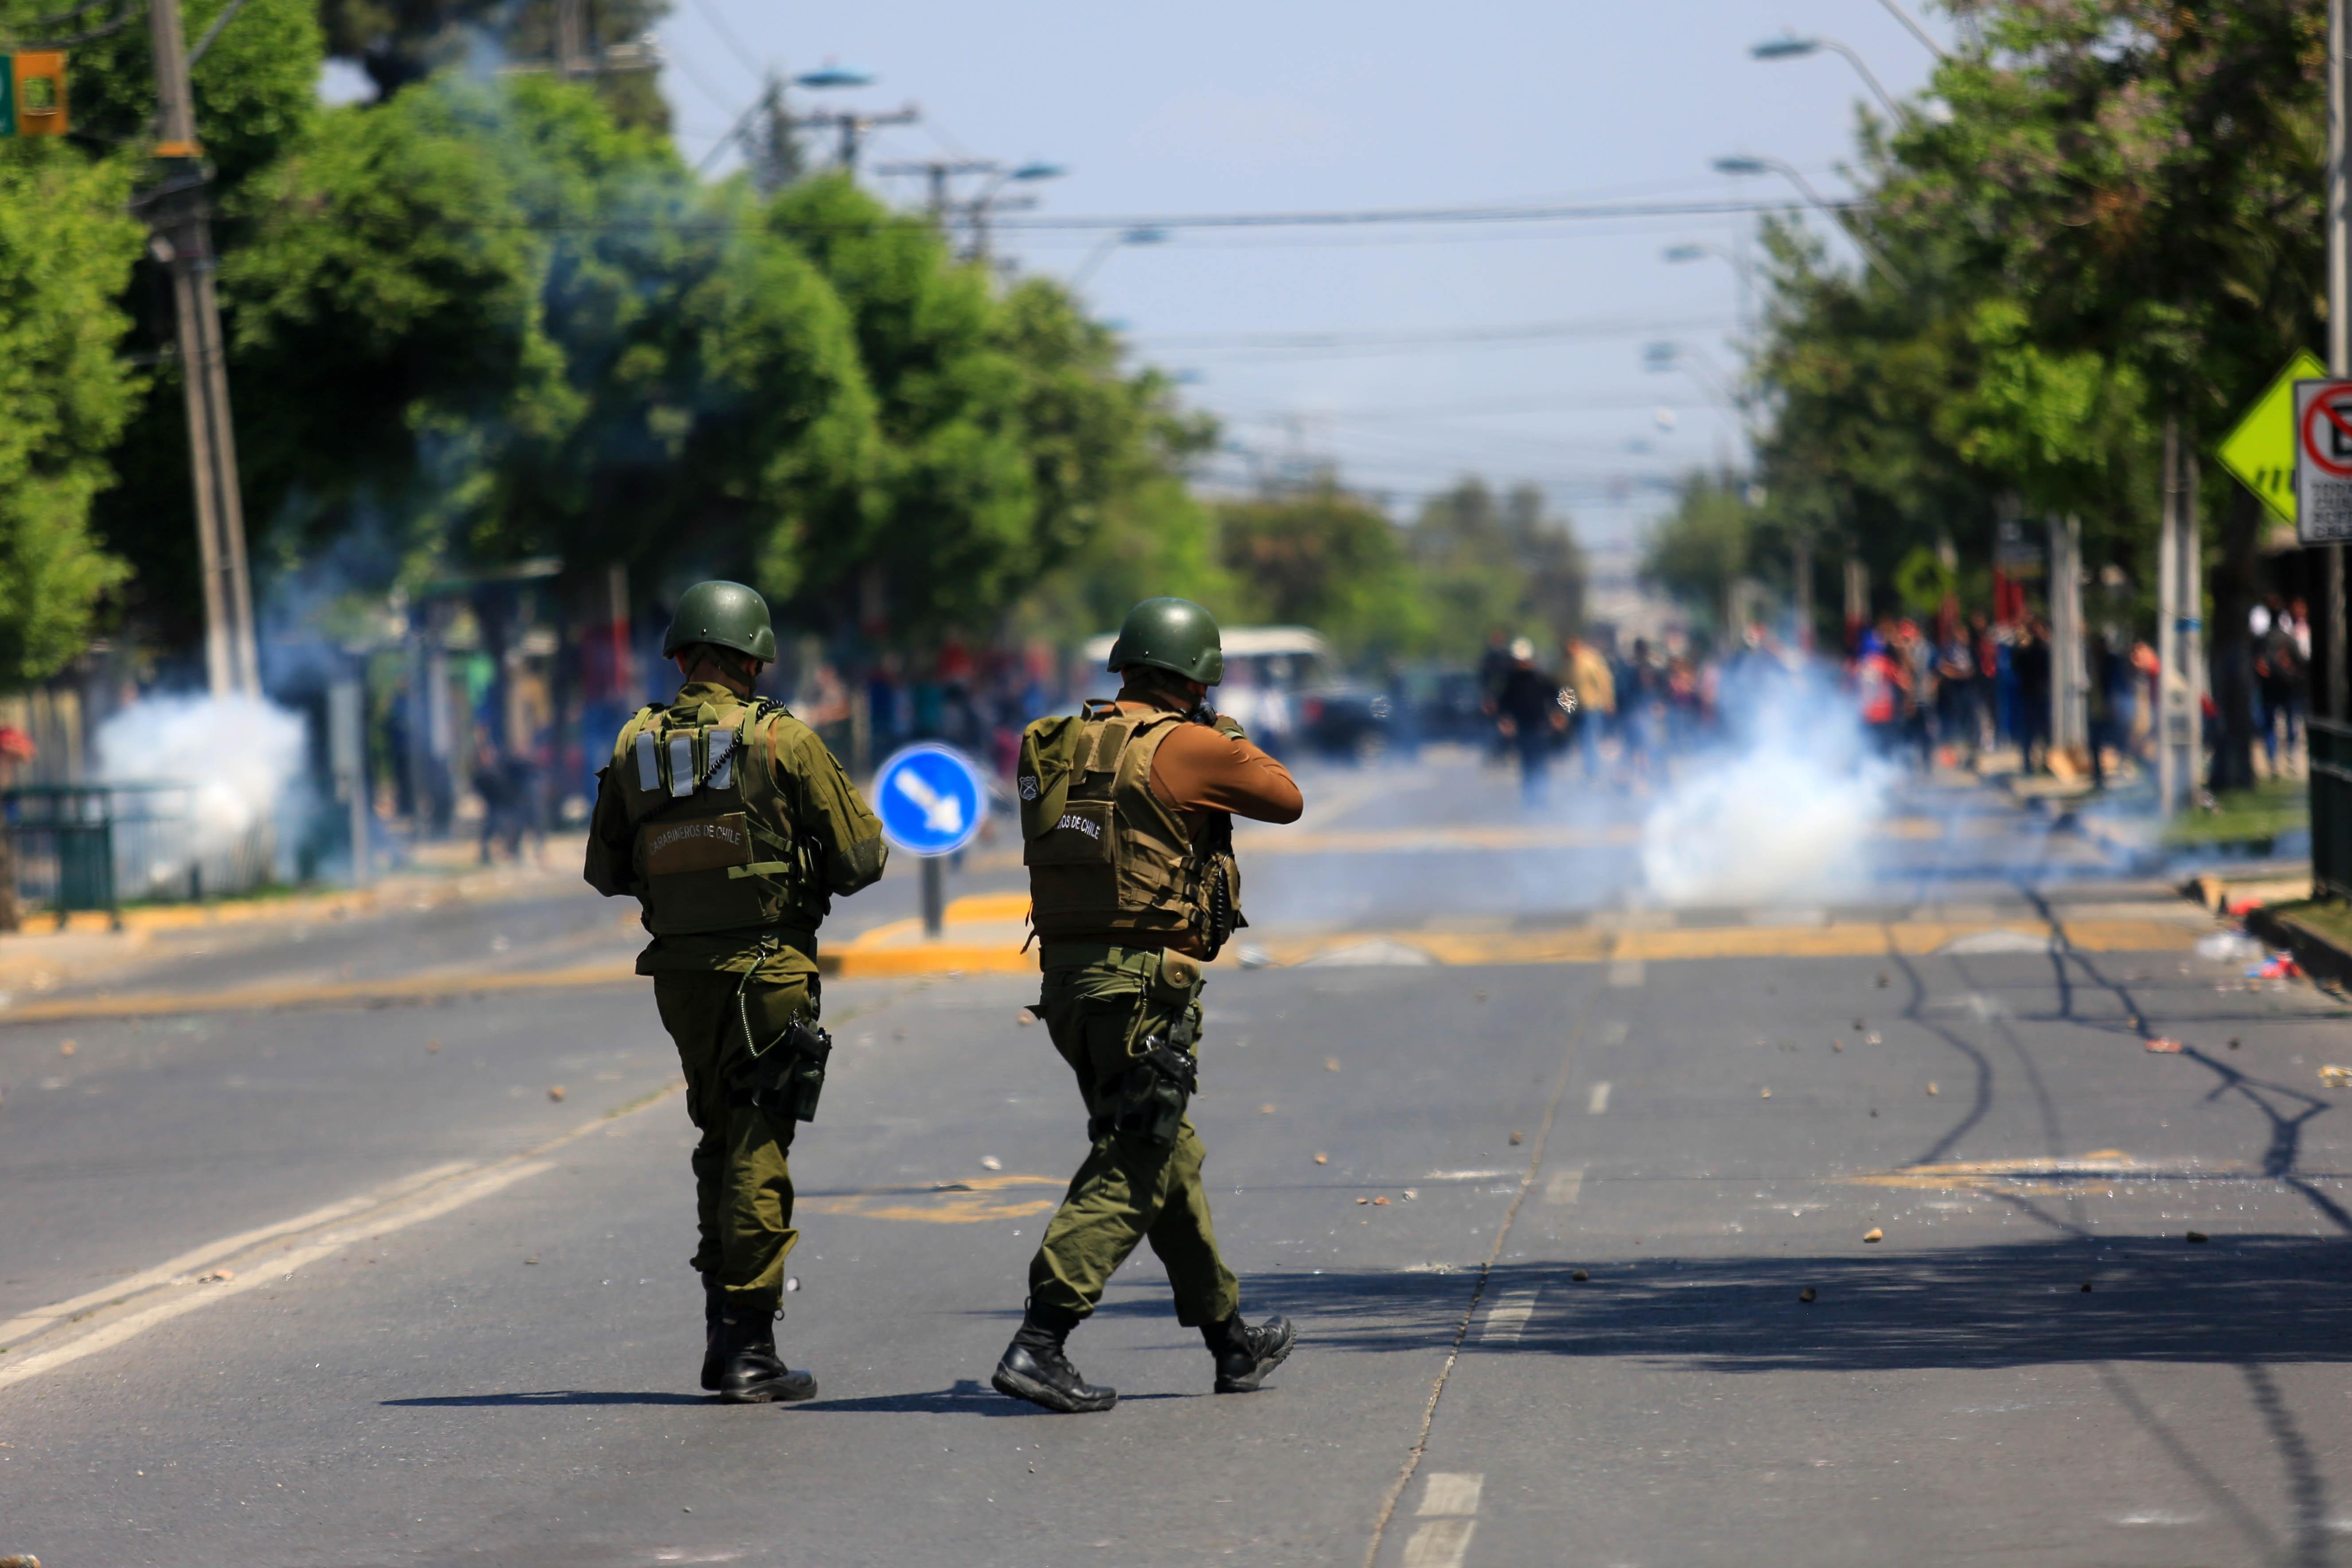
{"x":1174,"y":635}
{"x":724,"y":614}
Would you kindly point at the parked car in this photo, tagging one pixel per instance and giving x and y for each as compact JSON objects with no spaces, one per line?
{"x":1346,"y":720}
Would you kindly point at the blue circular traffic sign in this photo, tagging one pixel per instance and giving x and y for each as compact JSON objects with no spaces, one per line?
{"x":931,"y":799}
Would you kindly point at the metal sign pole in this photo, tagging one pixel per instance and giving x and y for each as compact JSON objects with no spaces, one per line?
{"x":2339,"y":329}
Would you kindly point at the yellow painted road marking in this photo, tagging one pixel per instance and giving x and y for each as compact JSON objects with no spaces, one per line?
{"x":893,"y":952}
{"x":2029,"y":1175}
{"x":432,"y":987}
{"x":963,"y":1203}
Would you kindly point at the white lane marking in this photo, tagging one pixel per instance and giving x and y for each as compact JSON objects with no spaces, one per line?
{"x":1440,"y":1544}
{"x":426,"y":1195}
{"x":1612,"y":1033}
{"x":1450,"y":1492}
{"x":1565,"y":1186}
{"x":1508,"y":1317}
{"x":1627,"y":971}
{"x":191,"y":1261}
{"x":276,"y":1268}
{"x":1599,"y":1100}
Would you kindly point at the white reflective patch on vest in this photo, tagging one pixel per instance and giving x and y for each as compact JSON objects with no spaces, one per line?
{"x":723,"y":758}
{"x":681,"y":764}
{"x":649,"y":764}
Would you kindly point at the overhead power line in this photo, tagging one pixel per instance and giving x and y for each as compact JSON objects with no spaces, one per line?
{"x":1517,"y":333}
{"x":1584,"y":211}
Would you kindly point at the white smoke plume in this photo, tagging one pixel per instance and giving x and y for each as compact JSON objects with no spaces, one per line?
{"x":240,"y":759}
{"x":1783,"y":813}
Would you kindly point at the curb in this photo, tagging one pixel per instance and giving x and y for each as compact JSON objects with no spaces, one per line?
{"x":2318,"y":955}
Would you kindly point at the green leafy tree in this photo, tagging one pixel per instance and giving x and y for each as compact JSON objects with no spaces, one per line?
{"x":1702,"y":548}
{"x":950,"y":537}
{"x":66,"y":251}
{"x":1482,"y":559}
{"x":1323,"y":558}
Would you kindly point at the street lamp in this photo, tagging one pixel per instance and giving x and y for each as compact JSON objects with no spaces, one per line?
{"x":834,"y":76}
{"x":1742,"y":165}
{"x":1790,"y":46}
{"x":1110,"y":242}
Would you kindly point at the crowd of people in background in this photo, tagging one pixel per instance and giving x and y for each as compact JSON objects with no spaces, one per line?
{"x":1942,"y":694}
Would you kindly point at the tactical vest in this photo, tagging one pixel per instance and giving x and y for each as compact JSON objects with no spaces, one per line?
{"x":1109,"y":860}
{"x":713,"y":844}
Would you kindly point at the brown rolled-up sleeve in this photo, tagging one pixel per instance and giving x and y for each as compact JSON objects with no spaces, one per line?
{"x":1199,"y":769}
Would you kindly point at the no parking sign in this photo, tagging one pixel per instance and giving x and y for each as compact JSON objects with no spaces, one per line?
{"x":2323,"y":461}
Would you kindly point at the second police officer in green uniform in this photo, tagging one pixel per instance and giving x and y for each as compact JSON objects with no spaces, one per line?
{"x":1127,"y":817}
{"x":730,"y":821}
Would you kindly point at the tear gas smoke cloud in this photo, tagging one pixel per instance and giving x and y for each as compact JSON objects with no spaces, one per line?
{"x":240,"y":757}
{"x":1783,"y":813}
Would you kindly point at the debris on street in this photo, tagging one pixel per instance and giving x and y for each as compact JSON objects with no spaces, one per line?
{"x":1806,"y":1294}
{"x":2198,"y":1235}
{"x":1874,"y":1234}
{"x":2332,"y":1076}
{"x":555,"y":1092}
{"x":2164,"y":1046}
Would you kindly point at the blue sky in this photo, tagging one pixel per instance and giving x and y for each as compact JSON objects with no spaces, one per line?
{"x":1226,"y":107}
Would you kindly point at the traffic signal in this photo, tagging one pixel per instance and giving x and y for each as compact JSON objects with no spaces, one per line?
{"x":33,"y":94}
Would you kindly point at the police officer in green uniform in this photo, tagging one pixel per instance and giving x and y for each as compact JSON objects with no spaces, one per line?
{"x":728,"y":819}
{"x":1126,"y":815}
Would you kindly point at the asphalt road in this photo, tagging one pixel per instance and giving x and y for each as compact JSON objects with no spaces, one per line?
{"x":456,"y":1323}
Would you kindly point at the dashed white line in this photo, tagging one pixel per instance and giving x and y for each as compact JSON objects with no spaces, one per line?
{"x":1565,"y":1186}
{"x":1507,"y":1318}
{"x":1612,"y":1033}
{"x":1627,"y":971}
{"x":1599,"y":1100}
{"x":1448,"y":1504}
{"x":1440,"y":1544}
{"x":1450,"y":1492}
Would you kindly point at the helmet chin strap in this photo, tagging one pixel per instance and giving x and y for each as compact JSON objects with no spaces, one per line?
{"x":729,"y":661}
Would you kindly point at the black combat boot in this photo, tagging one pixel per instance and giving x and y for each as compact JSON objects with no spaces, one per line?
{"x":1035,"y":1368}
{"x":1244,"y":1355}
{"x":749,"y":1371}
{"x":714,"y":1307}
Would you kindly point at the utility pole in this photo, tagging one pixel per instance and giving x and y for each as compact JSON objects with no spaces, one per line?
{"x":937,"y":173}
{"x":854,"y":127}
{"x":182,"y":220}
{"x":571,"y":40}
{"x":2339,"y":329}
{"x":1802,"y":572}
{"x":2180,"y":627}
{"x":2070,"y":727}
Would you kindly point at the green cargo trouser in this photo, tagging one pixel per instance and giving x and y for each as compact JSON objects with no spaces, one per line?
{"x":742,"y":1184}
{"x":1099,"y":1003}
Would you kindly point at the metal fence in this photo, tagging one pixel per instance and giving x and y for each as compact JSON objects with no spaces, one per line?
{"x":98,"y":846}
{"x":2331,"y":807}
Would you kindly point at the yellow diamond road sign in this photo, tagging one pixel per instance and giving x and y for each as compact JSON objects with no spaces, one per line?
{"x":2260,"y":451}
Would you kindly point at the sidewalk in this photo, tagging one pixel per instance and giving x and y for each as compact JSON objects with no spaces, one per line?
{"x":52,"y":951}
